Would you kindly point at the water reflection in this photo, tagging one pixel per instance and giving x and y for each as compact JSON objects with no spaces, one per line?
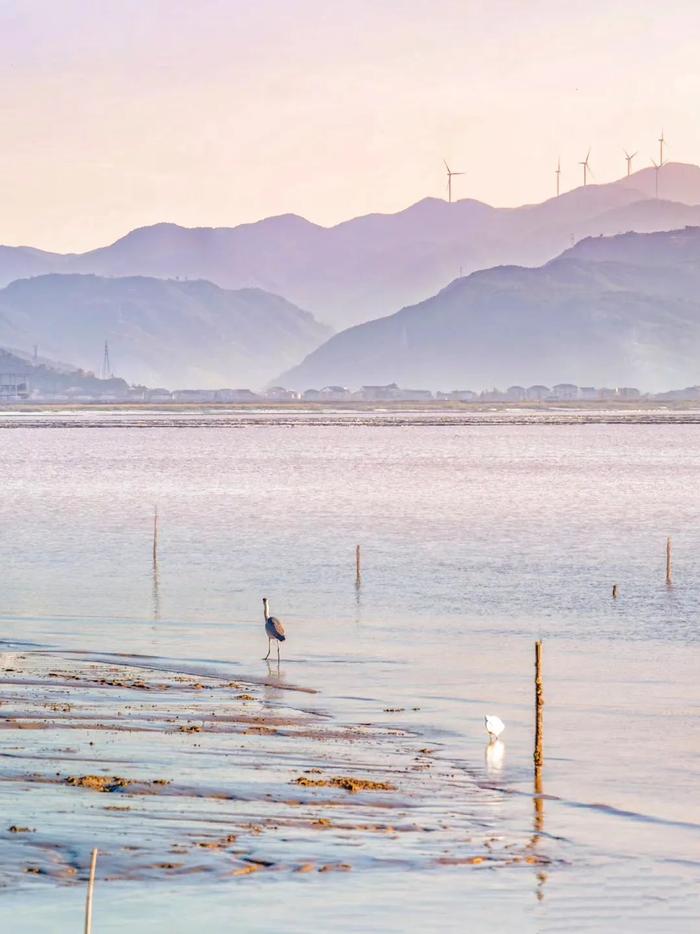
{"x":156,"y":579}
{"x":274,"y":682}
{"x":155,"y":590}
{"x":538,"y":829}
{"x":495,"y":753}
{"x":358,"y":600}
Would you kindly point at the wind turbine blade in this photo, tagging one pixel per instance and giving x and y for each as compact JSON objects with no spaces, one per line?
{"x":633,"y":155}
{"x":447,"y":166}
{"x":655,"y":163}
{"x":588,"y":154}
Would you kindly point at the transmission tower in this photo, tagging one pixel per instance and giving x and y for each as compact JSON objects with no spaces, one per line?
{"x":106,"y":366}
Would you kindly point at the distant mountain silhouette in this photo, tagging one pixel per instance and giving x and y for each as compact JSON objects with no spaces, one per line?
{"x":161,"y":332}
{"x":610,"y":311}
{"x":51,"y":377}
{"x":367,"y":266}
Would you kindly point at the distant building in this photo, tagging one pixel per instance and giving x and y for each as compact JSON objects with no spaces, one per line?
{"x":565,"y":392}
{"x":13,"y":387}
{"x":379,"y":393}
{"x":628,"y":392}
{"x":236,"y":395}
{"x":280,"y":394}
{"x":327,"y":394}
{"x":537,"y":393}
{"x":458,"y":395}
{"x":335,"y":393}
{"x":415,"y":395}
{"x":516,"y":393}
{"x":193,"y":395}
{"x":606,"y":393}
{"x":588,"y":393}
{"x":211,"y":395}
{"x":157,"y":395}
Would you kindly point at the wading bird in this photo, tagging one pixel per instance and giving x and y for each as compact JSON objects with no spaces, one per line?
{"x":274,"y":630}
{"x":494,"y":726}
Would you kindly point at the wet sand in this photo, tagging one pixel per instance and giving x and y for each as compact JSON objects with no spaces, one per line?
{"x":169,"y":773}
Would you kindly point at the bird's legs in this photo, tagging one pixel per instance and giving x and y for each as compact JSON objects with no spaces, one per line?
{"x":269,"y":649}
{"x":278,"y":653}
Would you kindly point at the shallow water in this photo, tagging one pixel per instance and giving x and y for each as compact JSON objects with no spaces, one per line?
{"x":476,"y":540}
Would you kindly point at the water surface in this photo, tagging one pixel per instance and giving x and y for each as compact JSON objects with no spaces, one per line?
{"x":476,"y":540}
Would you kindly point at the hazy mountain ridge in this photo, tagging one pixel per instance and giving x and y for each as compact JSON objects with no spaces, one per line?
{"x":48,"y":377}
{"x":362,"y":268}
{"x":161,"y":332}
{"x":610,"y":311}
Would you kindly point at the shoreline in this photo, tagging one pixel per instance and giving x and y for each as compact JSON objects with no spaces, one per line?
{"x":428,"y":414}
{"x":357,"y":406}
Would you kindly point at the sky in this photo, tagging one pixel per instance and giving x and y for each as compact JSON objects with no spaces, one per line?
{"x":123,"y":113}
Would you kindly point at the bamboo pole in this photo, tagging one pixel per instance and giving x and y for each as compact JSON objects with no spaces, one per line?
{"x":91,"y":887}
{"x":358,"y":567}
{"x":669,"y":561}
{"x":539,"y":703}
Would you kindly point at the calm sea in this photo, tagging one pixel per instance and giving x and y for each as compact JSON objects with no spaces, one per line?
{"x":477,"y":539}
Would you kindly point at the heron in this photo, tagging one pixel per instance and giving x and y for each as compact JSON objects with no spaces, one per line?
{"x":274,"y":630}
{"x":494,"y":726}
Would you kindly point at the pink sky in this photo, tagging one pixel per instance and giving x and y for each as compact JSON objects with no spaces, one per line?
{"x":216,"y":112}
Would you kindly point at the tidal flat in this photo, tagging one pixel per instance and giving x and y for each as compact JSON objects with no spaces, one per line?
{"x":176,"y":773}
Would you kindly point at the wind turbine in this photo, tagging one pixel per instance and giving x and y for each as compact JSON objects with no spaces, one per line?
{"x":557,"y":172}
{"x":629,"y":160}
{"x":450,"y":173}
{"x":661,"y":149}
{"x":586,"y":167}
{"x":657,"y":166}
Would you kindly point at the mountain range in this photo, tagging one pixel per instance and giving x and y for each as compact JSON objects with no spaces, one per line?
{"x":623,"y":310}
{"x":161,"y":332}
{"x":369,"y":266}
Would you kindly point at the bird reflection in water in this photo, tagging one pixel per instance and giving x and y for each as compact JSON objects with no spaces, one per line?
{"x":495,"y":753}
{"x":275,"y":680}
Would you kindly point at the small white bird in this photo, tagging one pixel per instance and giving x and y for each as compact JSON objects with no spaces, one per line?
{"x":274,"y":630}
{"x":494,"y":726}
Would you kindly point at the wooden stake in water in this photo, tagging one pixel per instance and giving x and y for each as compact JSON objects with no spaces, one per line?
{"x":669,"y":561}
{"x":615,"y":592}
{"x":539,"y":703}
{"x":358,"y":569}
{"x":88,"y":900}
